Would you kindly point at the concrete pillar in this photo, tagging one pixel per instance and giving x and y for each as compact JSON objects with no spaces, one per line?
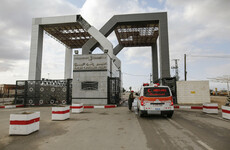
{"x":164,"y":47}
{"x":35,"y":64}
{"x":68,"y":63}
{"x":154,"y":63}
{"x":102,"y":40}
{"x":117,"y":49}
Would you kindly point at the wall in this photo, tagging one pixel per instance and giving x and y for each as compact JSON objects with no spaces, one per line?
{"x":193,"y":92}
{"x":90,"y":96}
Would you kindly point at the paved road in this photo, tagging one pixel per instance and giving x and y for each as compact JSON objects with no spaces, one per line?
{"x":186,"y":130}
{"x":117,"y":128}
{"x":95,"y":129}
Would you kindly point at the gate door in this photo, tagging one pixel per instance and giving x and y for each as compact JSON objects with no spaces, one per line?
{"x":113,"y":90}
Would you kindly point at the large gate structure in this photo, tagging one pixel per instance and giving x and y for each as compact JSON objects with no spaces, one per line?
{"x":43,"y":92}
{"x":132,"y":30}
{"x":73,"y":31}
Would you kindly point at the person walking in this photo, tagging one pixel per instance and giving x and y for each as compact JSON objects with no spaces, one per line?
{"x":130,"y":101}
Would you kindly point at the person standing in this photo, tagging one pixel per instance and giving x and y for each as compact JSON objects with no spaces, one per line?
{"x":130,"y":101}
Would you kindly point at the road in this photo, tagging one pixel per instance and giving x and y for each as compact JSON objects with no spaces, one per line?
{"x":118,"y":128}
{"x":186,"y":130}
{"x":95,"y":129}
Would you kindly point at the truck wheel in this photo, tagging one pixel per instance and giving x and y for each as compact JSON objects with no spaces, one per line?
{"x":140,"y":114}
{"x":170,"y":115}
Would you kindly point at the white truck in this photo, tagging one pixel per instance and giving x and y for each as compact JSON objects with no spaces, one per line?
{"x":155,"y":99}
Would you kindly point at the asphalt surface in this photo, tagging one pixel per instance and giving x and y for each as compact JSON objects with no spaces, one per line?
{"x":95,"y":129}
{"x":187,"y":129}
{"x":118,"y":128}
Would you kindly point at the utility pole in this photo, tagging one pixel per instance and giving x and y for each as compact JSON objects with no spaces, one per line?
{"x":185,"y":71}
{"x":176,"y":69}
{"x":150,"y":78}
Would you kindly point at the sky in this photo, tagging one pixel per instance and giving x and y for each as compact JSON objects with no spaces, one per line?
{"x":196,"y":28}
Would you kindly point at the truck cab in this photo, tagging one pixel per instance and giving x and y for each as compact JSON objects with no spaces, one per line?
{"x":155,"y":99}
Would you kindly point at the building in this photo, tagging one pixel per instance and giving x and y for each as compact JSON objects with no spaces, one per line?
{"x":7,"y":90}
{"x":92,"y":77}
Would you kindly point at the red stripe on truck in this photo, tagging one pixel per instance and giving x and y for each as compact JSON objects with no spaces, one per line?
{"x":155,"y":98}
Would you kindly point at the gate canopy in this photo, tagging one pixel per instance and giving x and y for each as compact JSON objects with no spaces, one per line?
{"x":129,"y":34}
{"x":72,"y":35}
{"x":137,"y":33}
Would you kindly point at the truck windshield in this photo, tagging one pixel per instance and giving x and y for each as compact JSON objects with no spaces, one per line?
{"x":156,"y":92}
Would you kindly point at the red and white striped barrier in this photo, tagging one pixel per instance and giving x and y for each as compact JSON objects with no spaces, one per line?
{"x":188,"y":107}
{"x":77,"y":108}
{"x":105,"y":106}
{"x":61,"y":113}
{"x":210,"y":108}
{"x":226,"y":112}
{"x":24,"y":123}
{"x":11,"y":106}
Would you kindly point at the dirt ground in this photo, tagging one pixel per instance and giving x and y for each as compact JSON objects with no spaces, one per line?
{"x":221,"y":100}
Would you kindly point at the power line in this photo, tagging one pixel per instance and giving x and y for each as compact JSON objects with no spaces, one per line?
{"x":135,"y":74}
{"x":223,"y":79}
{"x":211,"y":56}
{"x":201,"y":56}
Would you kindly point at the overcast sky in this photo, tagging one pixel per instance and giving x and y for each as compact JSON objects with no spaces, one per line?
{"x":195,"y":28}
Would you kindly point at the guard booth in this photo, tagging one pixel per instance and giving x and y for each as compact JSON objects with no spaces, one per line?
{"x":96,"y":79}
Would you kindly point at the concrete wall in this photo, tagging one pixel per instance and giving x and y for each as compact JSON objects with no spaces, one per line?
{"x":90,"y":96}
{"x":193,"y":92}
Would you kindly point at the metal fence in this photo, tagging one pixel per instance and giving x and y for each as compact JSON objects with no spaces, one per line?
{"x":43,"y":92}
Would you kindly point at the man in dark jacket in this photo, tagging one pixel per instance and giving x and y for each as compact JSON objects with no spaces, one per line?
{"x":130,"y":101}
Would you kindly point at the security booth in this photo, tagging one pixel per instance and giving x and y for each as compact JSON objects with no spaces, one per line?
{"x":96,"y":79}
